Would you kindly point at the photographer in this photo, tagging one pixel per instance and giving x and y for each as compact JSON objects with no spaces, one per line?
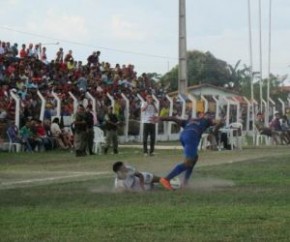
{"x":148,"y":110}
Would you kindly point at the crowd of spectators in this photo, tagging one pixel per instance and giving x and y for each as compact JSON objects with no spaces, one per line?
{"x":27,"y":70}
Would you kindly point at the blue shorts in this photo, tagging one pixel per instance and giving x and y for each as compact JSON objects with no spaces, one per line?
{"x":190,"y":140}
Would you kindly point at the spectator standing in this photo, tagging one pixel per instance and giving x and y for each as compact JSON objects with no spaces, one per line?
{"x":111,"y":124}
{"x":68,"y":57}
{"x":23,"y":52}
{"x":15,"y":49}
{"x":90,"y":128}
{"x":43,"y":56}
{"x":148,"y":110}
{"x":59,"y":55}
{"x":80,"y":135}
{"x":93,"y":59}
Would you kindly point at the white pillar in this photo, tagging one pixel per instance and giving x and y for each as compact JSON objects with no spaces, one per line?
{"x":126,"y":114}
{"x":17,"y":108}
{"x":217,"y":109}
{"x":75,"y":102}
{"x":183,"y":106}
{"x":112,"y":101}
{"x":193,"y":103}
{"x":228,"y":110}
{"x":265,"y":105}
{"x":248,"y":114}
{"x":205,"y":103}
{"x":169,"y":127}
{"x":43,"y":101}
{"x":237,"y":102}
{"x":274,"y":106}
{"x":89,"y":95}
{"x":158,"y":110}
{"x":283,"y":105}
{"x":141,"y":117}
{"x":58,"y":103}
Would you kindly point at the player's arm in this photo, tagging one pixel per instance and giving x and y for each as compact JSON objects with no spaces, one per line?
{"x":144,"y":106}
{"x":141,"y":178}
{"x":157,"y":119}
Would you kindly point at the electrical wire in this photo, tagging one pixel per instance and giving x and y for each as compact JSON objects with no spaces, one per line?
{"x":89,"y":45}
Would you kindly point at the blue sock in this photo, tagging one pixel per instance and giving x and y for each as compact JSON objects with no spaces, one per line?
{"x":187,"y":174}
{"x":176,"y":171}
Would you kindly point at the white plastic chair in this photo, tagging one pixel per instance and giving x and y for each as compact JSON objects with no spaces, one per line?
{"x":203,"y":142}
{"x":12,"y":145}
{"x":236,"y":137}
{"x":99,"y":140}
{"x":261,"y":138}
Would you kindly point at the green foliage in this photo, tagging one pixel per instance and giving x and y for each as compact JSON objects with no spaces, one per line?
{"x":202,"y":68}
{"x":205,"y":68}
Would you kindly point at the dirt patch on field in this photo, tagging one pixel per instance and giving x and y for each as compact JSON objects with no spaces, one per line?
{"x":209,"y":184}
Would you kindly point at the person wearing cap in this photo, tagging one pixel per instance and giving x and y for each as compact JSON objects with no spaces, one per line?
{"x":148,"y":110}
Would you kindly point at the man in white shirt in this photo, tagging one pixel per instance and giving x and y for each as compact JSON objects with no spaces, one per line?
{"x":148,"y":110}
{"x":129,"y":179}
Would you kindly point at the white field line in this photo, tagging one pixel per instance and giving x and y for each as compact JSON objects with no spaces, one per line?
{"x":36,"y":180}
{"x":85,"y":174}
{"x":157,"y":147}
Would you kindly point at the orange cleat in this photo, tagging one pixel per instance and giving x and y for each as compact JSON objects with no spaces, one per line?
{"x":165,"y":183}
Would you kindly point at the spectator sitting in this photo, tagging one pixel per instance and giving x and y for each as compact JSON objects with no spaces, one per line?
{"x":285,"y":126}
{"x":260,"y":126}
{"x":276,"y":126}
{"x":14,"y":136}
{"x":41,"y":134}
{"x":61,"y":138}
{"x":27,"y":137}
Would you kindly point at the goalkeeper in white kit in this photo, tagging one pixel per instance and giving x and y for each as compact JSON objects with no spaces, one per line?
{"x":129,"y":179}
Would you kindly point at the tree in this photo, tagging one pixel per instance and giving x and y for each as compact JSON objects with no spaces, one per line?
{"x":202,"y":68}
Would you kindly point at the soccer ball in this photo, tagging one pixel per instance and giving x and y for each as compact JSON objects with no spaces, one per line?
{"x":175,"y":183}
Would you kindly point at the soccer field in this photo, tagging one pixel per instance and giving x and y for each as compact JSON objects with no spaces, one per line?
{"x":233,"y":196}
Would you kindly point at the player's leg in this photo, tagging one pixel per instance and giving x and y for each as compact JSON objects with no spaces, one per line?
{"x":188,"y":172}
{"x":190,"y":152}
{"x":152,"y":138}
{"x":149,"y":180}
{"x":145,"y":138}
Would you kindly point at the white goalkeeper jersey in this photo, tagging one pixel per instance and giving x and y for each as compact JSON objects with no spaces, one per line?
{"x":130,"y":182}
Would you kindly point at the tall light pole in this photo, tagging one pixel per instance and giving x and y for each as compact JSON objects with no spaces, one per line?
{"x":261,"y":60}
{"x":250,"y":50}
{"x":269,"y":60}
{"x":182,"y":71}
{"x":251,"y":65}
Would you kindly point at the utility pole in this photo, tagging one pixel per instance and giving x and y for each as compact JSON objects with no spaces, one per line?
{"x":182,"y":71}
{"x":269,"y":61}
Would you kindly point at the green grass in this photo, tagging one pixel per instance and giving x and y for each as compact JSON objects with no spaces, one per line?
{"x":239,"y":201}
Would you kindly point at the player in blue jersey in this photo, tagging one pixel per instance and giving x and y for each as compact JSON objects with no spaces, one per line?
{"x":189,"y":138}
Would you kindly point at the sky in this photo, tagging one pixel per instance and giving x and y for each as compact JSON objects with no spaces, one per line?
{"x":145,"y":33}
